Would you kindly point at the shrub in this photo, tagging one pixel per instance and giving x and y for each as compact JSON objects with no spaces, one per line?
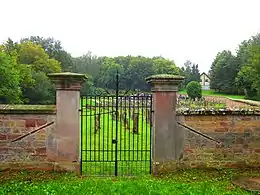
{"x":194,"y":90}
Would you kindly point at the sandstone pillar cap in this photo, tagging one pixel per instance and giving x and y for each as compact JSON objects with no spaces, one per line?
{"x":165,"y":82}
{"x":68,"y":80}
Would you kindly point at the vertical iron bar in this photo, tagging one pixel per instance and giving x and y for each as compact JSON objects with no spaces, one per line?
{"x":120,"y":130}
{"x":90,"y":132}
{"x":108,"y":140}
{"x":99,"y":138}
{"x":112,"y":127}
{"x":95,"y":149}
{"x":146,"y":136}
{"x":81,"y":137}
{"x":144,"y":110}
{"x":86,"y":135}
{"x":117,"y":90}
{"x":138,"y":125}
{"x":103,"y":129}
{"x":151,"y":123}
{"x":125,"y":129}
{"x":133,"y":141}
{"x":129,"y":132}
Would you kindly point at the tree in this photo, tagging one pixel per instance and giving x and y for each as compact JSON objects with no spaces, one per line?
{"x":247,"y":79}
{"x":10,"y":91}
{"x":191,"y":72}
{"x":164,"y":66}
{"x":88,"y":64}
{"x":194,"y":90}
{"x":108,"y":73}
{"x":53,"y":49}
{"x":43,"y":91}
{"x":140,"y":68}
{"x":223,"y":72}
{"x":34,"y":55}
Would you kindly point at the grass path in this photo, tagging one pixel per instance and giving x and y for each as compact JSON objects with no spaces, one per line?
{"x":196,"y":182}
{"x":214,"y":93}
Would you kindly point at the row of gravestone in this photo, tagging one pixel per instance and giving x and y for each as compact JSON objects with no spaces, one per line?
{"x":122,"y":117}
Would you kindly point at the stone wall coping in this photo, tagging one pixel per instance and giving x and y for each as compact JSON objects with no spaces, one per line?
{"x":67,"y":75}
{"x":27,"y":109}
{"x":218,"y":112}
{"x":164,"y":78}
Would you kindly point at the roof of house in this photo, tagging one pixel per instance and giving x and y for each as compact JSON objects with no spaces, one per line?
{"x":205,"y":74}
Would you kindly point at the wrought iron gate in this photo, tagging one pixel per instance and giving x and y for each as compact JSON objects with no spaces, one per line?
{"x":116,"y":134}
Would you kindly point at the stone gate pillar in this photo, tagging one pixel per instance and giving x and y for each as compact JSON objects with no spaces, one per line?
{"x":166,"y":139}
{"x":63,"y":143}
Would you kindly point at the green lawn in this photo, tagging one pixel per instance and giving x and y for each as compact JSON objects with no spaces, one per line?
{"x":196,"y":182}
{"x":99,"y":153}
{"x":214,"y":93}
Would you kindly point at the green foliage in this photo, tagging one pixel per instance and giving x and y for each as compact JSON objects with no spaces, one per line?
{"x":53,"y":49}
{"x":223,"y":72}
{"x":34,"y":57}
{"x":132,"y":69}
{"x":10,"y":91}
{"x":191,"y":73}
{"x":247,"y":79}
{"x":43,"y":91}
{"x":238,"y":74}
{"x":194,"y":181}
{"x":194,"y":90}
{"x":28,"y":65}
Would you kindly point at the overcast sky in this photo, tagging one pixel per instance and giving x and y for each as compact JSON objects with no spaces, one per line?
{"x":175,"y":29}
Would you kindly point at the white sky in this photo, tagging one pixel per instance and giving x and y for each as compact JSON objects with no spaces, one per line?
{"x":176,"y":29}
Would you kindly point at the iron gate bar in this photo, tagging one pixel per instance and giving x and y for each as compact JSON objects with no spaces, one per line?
{"x":117,"y":86}
{"x":81,"y":134}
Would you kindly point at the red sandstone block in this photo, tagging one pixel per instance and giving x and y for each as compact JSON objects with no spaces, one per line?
{"x":30,"y":150}
{"x":41,"y":122}
{"x":246,"y":118}
{"x":30,"y":123}
{"x":221,"y":129}
{"x":188,"y":150}
{"x":3,"y":149}
{"x":224,"y":123}
{"x":5,"y":117}
{"x":12,"y":136}
{"x":237,"y":150}
{"x":2,"y":137}
{"x":41,"y":150}
{"x":20,"y":123}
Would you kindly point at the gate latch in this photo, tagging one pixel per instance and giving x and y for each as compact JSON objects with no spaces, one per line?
{"x":114,"y":141}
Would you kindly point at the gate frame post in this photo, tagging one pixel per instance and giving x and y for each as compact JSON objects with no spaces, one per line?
{"x":63,"y":144}
{"x":166,"y":137}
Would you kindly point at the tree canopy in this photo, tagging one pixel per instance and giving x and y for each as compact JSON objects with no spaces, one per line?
{"x":239,"y":73}
{"x":24,"y":66}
